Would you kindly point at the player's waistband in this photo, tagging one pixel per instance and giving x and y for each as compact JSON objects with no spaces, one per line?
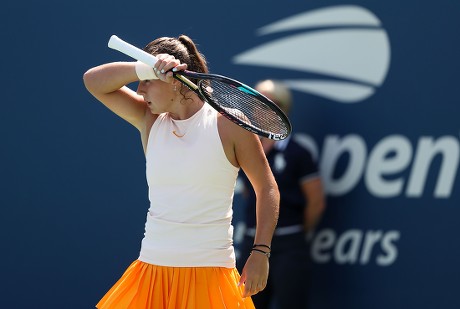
{"x":279,"y":231}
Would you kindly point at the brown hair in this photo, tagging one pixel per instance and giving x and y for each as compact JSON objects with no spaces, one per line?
{"x":182,"y":48}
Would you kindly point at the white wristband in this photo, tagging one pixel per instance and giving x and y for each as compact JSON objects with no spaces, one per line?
{"x":144,"y":71}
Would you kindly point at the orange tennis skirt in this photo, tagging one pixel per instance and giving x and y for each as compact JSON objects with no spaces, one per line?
{"x":147,"y":286}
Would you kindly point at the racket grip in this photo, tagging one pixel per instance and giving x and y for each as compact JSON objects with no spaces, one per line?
{"x":132,"y":51}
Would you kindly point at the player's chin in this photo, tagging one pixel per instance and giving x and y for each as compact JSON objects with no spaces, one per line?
{"x":152,"y":109}
{"x":151,"y":106}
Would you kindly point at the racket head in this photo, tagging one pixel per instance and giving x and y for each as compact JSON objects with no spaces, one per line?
{"x":242,"y":105}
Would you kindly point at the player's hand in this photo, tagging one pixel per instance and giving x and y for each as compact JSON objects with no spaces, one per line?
{"x":164,"y":66}
{"x":255,"y":274}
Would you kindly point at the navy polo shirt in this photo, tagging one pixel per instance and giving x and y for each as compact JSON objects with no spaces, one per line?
{"x":291,"y":164}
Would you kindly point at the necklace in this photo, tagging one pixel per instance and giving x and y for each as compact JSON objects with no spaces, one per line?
{"x":177,"y":134}
{"x":181,"y":127}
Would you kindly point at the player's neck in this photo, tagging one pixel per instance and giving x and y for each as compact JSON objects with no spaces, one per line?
{"x":187,"y":110}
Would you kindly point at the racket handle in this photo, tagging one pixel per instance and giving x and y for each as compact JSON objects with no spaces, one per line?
{"x":130,"y":50}
{"x":138,"y":54}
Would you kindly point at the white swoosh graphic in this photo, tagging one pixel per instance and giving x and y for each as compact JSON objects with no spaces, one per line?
{"x":346,"y":15}
{"x":356,"y":54}
{"x":344,"y":92}
{"x":346,"y":44}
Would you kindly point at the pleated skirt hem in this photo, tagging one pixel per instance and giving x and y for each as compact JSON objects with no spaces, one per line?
{"x":147,"y":286}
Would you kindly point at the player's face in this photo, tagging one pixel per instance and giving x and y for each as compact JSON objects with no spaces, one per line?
{"x":157,"y":94}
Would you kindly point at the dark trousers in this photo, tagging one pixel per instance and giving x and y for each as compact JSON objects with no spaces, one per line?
{"x":289,"y":275}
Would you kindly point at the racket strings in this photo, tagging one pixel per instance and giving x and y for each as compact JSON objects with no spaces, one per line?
{"x":246,"y":106}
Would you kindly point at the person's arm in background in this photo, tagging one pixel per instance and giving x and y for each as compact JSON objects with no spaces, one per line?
{"x":315,"y":202}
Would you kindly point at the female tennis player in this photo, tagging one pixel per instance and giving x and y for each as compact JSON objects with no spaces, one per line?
{"x":193,"y":155}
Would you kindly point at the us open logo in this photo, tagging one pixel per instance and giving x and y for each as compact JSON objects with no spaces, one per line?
{"x":346,"y":46}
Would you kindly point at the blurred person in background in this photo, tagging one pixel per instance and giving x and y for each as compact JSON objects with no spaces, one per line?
{"x":301,"y":207}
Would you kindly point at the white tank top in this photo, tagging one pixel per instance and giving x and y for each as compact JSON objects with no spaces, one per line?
{"x":191,"y":185}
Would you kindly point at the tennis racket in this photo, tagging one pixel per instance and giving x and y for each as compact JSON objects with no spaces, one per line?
{"x":238,"y":102}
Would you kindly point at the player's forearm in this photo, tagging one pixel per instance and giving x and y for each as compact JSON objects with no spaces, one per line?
{"x":109,"y":77}
{"x":267,"y":214}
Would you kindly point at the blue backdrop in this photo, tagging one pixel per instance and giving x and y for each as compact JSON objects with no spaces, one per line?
{"x":375,"y":85}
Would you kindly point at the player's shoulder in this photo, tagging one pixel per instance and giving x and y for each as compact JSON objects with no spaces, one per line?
{"x":232,"y":129}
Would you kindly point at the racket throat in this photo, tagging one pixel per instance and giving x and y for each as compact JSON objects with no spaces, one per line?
{"x":186,"y":82}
